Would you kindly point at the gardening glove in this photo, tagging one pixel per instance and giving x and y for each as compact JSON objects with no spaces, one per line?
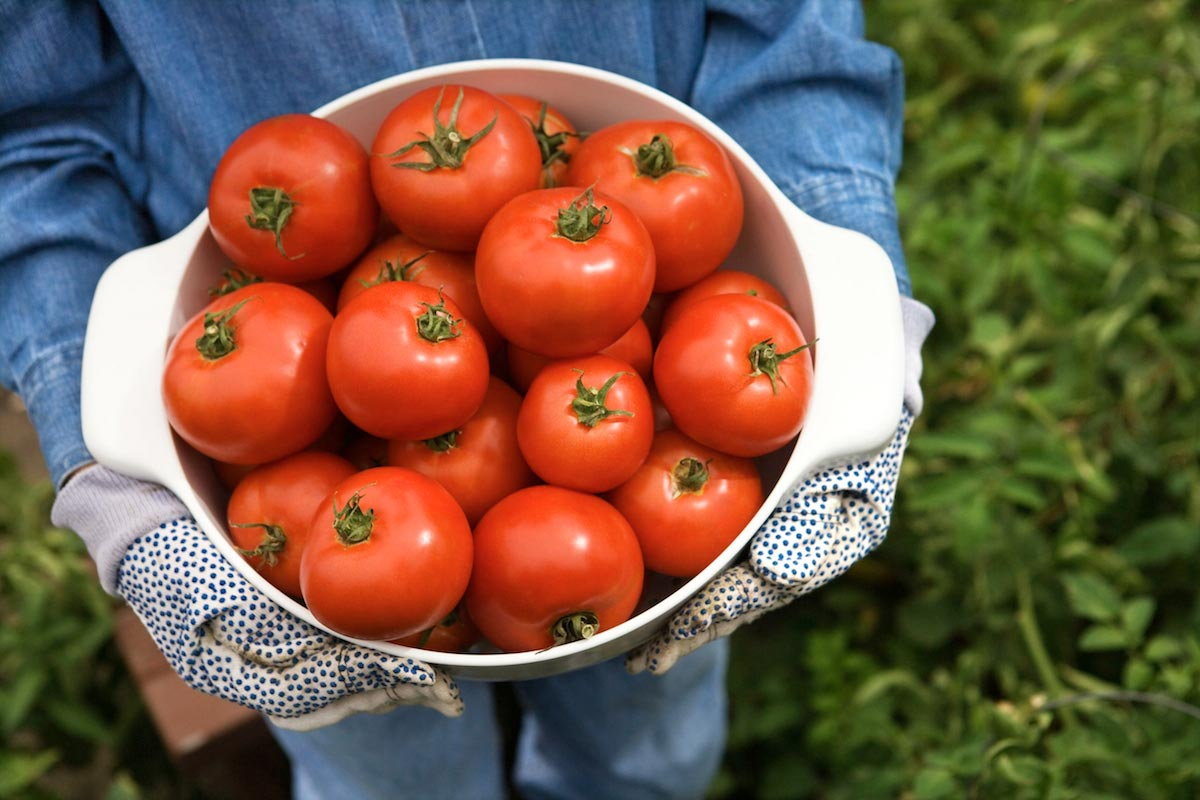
{"x":222,"y":635}
{"x":828,"y":522}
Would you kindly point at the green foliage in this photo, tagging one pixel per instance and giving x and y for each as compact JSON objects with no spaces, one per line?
{"x":1032,"y":626}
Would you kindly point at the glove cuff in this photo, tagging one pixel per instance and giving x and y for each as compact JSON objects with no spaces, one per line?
{"x":109,"y":511}
{"x":918,"y":322}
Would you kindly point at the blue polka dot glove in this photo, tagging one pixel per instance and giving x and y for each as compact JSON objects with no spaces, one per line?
{"x":222,"y":635}
{"x":829,"y":521}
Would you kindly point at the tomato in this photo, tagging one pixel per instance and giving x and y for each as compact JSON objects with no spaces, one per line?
{"x":291,"y":199}
{"x":399,"y":258}
{"x":723,"y":281}
{"x":403,"y":363}
{"x":271,"y":510}
{"x":680,"y":183}
{"x":586,"y":423}
{"x":455,"y":634}
{"x":389,"y":554}
{"x":735,"y":373}
{"x":564,"y":272}
{"x":556,"y":136}
{"x":479,"y":462}
{"x":244,"y":379}
{"x":446,"y":158}
{"x":552,"y":566}
{"x":687,"y":503}
{"x":634,"y":348}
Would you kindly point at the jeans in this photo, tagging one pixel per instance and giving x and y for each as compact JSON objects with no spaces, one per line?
{"x":593,"y":733}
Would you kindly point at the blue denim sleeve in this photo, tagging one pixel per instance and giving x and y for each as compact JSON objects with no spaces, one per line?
{"x":67,"y":207}
{"x":819,"y":107}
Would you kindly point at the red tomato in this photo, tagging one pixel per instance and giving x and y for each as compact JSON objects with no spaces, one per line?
{"x":399,"y":258}
{"x":586,"y":423}
{"x":634,"y":348}
{"x":687,"y":502}
{"x":445,"y":159}
{"x":271,"y":510}
{"x":556,"y":136}
{"x":735,"y":373}
{"x":389,"y":554}
{"x":244,"y":380}
{"x":678,"y":181}
{"x":479,"y":462}
{"x":552,"y":566}
{"x":455,"y":634}
{"x":403,"y":363}
{"x":564,"y":272}
{"x":291,"y":199}
{"x":723,"y":281}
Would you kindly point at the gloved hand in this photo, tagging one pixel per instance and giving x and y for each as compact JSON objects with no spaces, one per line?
{"x":220,"y":634}
{"x":831,"y":520}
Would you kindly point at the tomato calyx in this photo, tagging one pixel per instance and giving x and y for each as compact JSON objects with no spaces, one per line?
{"x":231,"y":281}
{"x":444,"y":443}
{"x":589,"y":403}
{"x":656,"y":158}
{"x":437,"y":324}
{"x":446,"y":148}
{"x":689,"y":476}
{"x":218,"y":340}
{"x":581,"y":220}
{"x":273,"y":542}
{"x":552,"y":145}
{"x":397,"y":270}
{"x":575,"y":627}
{"x":765,"y":359}
{"x":351,"y":524}
{"x":270,"y":210}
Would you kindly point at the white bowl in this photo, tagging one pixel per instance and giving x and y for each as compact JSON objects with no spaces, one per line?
{"x":839,"y":283}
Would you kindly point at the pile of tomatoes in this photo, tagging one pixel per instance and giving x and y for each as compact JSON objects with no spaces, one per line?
{"x":471,"y":385}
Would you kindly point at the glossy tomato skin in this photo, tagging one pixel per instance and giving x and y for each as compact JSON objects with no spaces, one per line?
{"x":270,"y":512}
{"x":694,"y":213}
{"x":400,"y":258}
{"x":392,"y":382}
{"x":634,"y":348}
{"x":446,"y":207}
{"x":705,"y":378}
{"x":324,"y":172}
{"x":545,"y":553}
{"x":723,"y":281}
{"x":266,"y":398}
{"x":552,"y":295}
{"x":406,"y":575}
{"x":563,"y":450}
{"x":687,"y":503}
{"x":557,"y":138}
{"x":480,"y":462}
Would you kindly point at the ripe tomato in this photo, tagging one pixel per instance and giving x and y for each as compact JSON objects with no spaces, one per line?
{"x":687,"y":502}
{"x":723,"y":281}
{"x":244,"y":379}
{"x":735,"y":373}
{"x":291,"y":199}
{"x":586,"y":423}
{"x":455,"y":634}
{"x":564,"y":272}
{"x":271,"y":509}
{"x":399,"y":258}
{"x":389,"y":554}
{"x":634,"y":348}
{"x":552,"y":566}
{"x":479,"y":462}
{"x":556,"y":136}
{"x":445,"y":159}
{"x":403,"y":363}
{"x":678,"y":181}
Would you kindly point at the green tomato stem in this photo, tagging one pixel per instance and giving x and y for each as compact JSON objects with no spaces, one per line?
{"x":575,"y":627}
{"x":589,"y":403}
{"x":270,"y":210}
{"x":447,"y":147}
{"x":273,"y":542}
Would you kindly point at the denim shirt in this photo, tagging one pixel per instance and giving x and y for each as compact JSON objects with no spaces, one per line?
{"x":113,"y":117}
